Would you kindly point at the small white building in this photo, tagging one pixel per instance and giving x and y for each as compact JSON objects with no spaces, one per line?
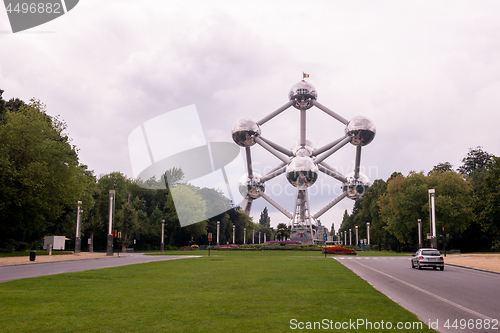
{"x":57,"y":242}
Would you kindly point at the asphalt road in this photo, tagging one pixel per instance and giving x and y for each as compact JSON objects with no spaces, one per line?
{"x":16,"y":272}
{"x":436,"y":297}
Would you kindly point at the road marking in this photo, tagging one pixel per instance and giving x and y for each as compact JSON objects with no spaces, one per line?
{"x":463,"y":308}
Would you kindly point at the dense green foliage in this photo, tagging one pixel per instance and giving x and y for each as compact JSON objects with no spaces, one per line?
{"x":467,"y":206}
{"x":40,"y":175}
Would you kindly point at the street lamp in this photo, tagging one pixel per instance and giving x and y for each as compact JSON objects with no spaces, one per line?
{"x":432,"y":212}
{"x":234,"y":234}
{"x":350,"y":236}
{"x":357,"y":241}
{"x":244,"y":236}
{"x":162,"y":235}
{"x":368,"y":232}
{"x":218,"y":229}
{"x":78,"y":240}
{"x":419,"y":234}
{"x":109,"y":251}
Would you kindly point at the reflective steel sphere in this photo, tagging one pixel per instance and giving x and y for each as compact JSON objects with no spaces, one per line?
{"x":302,"y":171}
{"x":361,"y":129}
{"x":251,"y":186}
{"x":301,"y":94}
{"x":307,"y":150}
{"x":356,"y":187}
{"x":244,"y":132}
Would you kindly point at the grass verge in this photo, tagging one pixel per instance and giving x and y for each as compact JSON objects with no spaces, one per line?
{"x":27,"y":253}
{"x":253,"y":292}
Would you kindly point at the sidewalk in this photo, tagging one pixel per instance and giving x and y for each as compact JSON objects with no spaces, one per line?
{"x":489,"y":262}
{"x":7,"y":261}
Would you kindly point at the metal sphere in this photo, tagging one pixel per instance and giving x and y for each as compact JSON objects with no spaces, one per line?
{"x":306,"y":150}
{"x":301,"y":94}
{"x":252,"y":187}
{"x":356,"y":187}
{"x":302,"y":171}
{"x":245,"y":130}
{"x":361,"y":129}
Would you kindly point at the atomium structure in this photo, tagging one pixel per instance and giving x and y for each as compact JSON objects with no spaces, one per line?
{"x":303,"y":162}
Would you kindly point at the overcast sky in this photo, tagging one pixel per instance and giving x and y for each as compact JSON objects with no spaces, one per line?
{"x":427,"y":73}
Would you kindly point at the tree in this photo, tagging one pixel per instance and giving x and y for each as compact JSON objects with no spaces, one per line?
{"x":283,"y":232}
{"x":41,"y":179}
{"x":265,"y":220}
{"x":490,"y":216}
{"x":475,"y":159}
{"x":402,"y":205}
{"x":189,"y":205}
{"x":441,"y":167}
{"x":127,"y":223}
{"x":454,"y":204}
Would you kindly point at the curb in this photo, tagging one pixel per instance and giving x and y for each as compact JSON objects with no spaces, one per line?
{"x":55,"y":261}
{"x":473,"y":268}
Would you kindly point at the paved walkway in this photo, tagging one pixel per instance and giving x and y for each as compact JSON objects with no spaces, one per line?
{"x":28,"y":270}
{"x":7,"y":261}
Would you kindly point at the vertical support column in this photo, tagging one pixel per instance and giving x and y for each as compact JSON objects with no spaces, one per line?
{"x":265,"y":238}
{"x":357,"y":240}
{"x":78,"y":240}
{"x":162,"y":236}
{"x":244,"y":236}
{"x":218,"y":229}
{"x":302,"y":128}
{"x":368,"y":232}
{"x":109,"y":251}
{"x":350,"y":237}
{"x":253,"y":236}
{"x":234,"y":234}
{"x":345,"y":237}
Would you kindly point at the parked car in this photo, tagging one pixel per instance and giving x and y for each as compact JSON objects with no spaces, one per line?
{"x":427,"y":258}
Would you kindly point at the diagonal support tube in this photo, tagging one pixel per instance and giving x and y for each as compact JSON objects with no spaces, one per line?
{"x":332,"y":150}
{"x":330,"y":112}
{"x":247,"y":205}
{"x":274,"y":114}
{"x":330,"y":205}
{"x":328,"y":146}
{"x":332,"y":173}
{"x":272,"y":174}
{"x":279,"y":148}
{"x":273,"y":151}
{"x":276,"y":205}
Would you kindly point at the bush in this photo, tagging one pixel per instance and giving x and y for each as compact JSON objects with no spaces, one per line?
{"x":21,"y":246}
{"x":6,"y":249}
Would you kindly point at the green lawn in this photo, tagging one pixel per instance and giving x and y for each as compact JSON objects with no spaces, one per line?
{"x":229,"y":292}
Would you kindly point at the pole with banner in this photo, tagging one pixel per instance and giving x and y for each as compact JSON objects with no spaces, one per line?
{"x":325,"y":238}
{"x":209,"y":242}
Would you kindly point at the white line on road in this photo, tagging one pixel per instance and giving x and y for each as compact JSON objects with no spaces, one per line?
{"x":472,"y":312}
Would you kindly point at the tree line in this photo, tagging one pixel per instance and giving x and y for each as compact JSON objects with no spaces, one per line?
{"x":467,"y":202}
{"x":41,"y":181}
